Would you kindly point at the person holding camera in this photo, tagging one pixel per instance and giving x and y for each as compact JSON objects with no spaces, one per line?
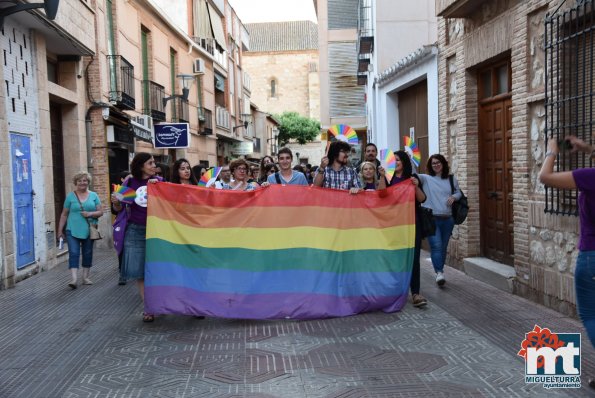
{"x":581,"y":179}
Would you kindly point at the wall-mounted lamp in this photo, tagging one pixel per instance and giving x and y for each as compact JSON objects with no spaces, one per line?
{"x":50,"y":7}
{"x":186,"y":82}
{"x":244,"y":125}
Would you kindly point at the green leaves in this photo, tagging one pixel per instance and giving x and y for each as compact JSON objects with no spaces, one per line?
{"x":293,"y":126}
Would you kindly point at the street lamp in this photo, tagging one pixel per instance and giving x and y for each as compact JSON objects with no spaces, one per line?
{"x":186,"y":82}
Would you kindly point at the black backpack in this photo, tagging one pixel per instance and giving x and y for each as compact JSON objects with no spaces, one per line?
{"x":460,"y":208}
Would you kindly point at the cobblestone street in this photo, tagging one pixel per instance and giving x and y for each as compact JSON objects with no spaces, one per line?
{"x":91,"y":342}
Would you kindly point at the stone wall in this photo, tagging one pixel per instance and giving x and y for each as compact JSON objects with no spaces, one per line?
{"x":297,"y":90}
{"x":544,"y":245}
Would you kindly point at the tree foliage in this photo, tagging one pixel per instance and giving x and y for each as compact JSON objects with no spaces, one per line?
{"x":293,"y":126}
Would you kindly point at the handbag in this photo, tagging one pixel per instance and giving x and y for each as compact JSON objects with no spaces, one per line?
{"x":460,"y":208}
{"x":94,"y":233}
{"x":428,"y":223}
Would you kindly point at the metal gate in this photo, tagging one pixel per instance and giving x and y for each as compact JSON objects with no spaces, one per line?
{"x":569,"y":92}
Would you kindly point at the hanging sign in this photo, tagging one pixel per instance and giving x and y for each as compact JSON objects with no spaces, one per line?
{"x":172,"y":135}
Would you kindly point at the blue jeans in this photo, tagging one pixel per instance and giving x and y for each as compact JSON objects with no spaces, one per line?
{"x":439,"y":242}
{"x":584,"y":286}
{"x":74,"y":251}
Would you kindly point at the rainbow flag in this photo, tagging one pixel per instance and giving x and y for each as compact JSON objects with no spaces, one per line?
{"x":278,"y":252}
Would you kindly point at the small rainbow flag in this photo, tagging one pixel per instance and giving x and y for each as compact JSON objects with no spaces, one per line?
{"x":209,"y":175}
{"x":280,"y":252}
{"x":388,"y":160}
{"x":412,"y":149}
{"x":343,"y":132}
{"x":124,"y":193}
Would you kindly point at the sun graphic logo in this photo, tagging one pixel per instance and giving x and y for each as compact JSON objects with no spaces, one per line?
{"x":553,"y":359}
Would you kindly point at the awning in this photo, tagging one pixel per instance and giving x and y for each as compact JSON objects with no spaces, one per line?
{"x":202,"y":22}
{"x":219,"y":82}
{"x":217,"y":26}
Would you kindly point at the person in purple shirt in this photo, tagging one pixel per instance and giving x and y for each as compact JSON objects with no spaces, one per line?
{"x":143,"y":172}
{"x":583,"y":180}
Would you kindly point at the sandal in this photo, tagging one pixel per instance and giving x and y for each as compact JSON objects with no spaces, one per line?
{"x":148,"y":317}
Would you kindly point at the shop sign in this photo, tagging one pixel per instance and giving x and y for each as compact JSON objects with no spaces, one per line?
{"x":172,"y":135}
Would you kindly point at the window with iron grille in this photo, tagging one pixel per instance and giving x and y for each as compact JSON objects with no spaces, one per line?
{"x":569,"y":92}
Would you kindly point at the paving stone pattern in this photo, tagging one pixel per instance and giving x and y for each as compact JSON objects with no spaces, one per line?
{"x":91,"y":342}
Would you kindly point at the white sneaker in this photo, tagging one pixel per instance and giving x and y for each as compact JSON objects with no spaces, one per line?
{"x":440,"y":278}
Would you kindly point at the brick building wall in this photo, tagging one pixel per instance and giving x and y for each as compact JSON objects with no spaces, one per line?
{"x":544,"y":245}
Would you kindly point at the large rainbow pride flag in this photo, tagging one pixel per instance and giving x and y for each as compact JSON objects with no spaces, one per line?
{"x":278,"y":252}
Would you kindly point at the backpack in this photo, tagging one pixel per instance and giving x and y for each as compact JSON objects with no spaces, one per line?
{"x":460,"y":208}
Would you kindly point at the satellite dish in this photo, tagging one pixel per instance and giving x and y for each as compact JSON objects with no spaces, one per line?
{"x":51,"y":8}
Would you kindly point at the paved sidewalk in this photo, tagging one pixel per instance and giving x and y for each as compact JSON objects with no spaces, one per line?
{"x":91,"y":342}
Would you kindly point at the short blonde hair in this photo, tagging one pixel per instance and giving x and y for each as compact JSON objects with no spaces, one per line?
{"x":80,"y":175}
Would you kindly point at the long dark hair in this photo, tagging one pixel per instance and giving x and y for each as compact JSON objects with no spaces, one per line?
{"x":441,"y":159}
{"x":136,"y":166}
{"x":335,"y":148}
{"x":407,"y":168}
{"x":261,"y":170}
{"x":175,"y":174}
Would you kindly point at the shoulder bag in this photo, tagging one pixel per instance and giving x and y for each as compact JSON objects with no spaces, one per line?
{"x":93,"y":231}
{"x":460,"y":208}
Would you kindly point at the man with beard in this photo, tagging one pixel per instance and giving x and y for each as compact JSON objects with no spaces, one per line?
{"x":333,"y":171}
{"x":370,"y":155}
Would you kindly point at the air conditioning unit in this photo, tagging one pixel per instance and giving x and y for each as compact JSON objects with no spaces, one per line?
{"x":144,"y":120}
{"x":198,"y":68}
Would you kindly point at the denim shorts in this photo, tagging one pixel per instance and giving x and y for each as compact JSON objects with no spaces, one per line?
{"x":133,"y":255}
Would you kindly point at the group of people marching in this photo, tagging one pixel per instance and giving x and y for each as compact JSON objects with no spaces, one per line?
{"x":82,"y":207}
{"x":432,"y":190}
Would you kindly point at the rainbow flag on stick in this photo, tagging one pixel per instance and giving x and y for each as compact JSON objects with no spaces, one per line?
{"x":279,"y":252}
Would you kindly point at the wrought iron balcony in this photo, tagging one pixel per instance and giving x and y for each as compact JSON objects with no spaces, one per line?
{"x":205,"y":121}
{"x":153,"y":95}
{"x":208,"y":44}
{"x":121,"y":76}
{"x":365,"y":32}
{"x":180,"y":110}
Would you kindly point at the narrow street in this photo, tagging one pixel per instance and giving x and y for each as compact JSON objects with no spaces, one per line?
{"x":91,"y":342}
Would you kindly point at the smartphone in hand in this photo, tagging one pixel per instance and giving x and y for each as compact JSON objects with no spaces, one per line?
{"x":564,"y":145}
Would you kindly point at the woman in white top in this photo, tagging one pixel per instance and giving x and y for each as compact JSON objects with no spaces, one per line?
{"x":439,"y":198}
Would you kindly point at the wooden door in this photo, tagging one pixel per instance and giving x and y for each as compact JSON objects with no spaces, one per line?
{"x":496,"y":182}
{"x":413,"y":113}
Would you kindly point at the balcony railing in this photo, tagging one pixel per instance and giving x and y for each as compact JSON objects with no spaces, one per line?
{"x":222,"y":118}
{"x":365,"y":32}
{"x":205,"y":121}
{"x":221,"y":58}
{"x":180,"y":110}
{"x":153,"y":95}
{"x":208,"y":44}
{"x":121,"y":73}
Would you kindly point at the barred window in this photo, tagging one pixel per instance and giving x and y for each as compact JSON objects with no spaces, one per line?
{"x":569,"y":92}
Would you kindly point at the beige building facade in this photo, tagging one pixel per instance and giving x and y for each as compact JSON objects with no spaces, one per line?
{"x":342,"y":100}
{"x":42,"y":68}
{"x":283,"y":65}
{"x":498,"y":101}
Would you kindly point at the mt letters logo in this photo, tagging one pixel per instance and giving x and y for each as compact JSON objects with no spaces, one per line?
{"x":552,"y":359}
